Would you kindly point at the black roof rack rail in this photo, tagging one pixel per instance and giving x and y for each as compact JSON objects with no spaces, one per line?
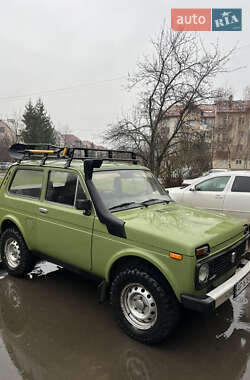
{"x":28,"y":151}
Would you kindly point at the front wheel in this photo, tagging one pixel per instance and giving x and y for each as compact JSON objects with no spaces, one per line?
{"x":14,"y":253}
{"x":144,"y":309}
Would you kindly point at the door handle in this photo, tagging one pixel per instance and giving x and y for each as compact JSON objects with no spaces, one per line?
{"x":219,"y":196}
{"x":43,"y":210}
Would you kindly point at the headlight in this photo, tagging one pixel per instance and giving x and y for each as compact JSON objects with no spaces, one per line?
{"x":204,"y":250}
{"x":203,"y":274}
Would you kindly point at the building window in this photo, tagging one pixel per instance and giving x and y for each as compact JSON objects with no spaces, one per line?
{"x":238,"y":162}
{"x":226,"y":118}
{"x":241,"y":120}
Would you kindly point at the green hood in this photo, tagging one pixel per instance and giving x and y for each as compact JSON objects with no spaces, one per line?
{"x":180,"y":228}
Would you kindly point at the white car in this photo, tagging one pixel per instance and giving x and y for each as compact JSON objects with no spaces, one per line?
{"x":227,"y":192}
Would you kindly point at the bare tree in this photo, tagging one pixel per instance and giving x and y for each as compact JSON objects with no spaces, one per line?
{"x":224,"y":94}
{"x":16,"y":126}
{"x":6,"y":139}
{"x":4,"y":146}
{"x":179,"y":74}
{"x":65,"y":130}
{"x":191,"y":160}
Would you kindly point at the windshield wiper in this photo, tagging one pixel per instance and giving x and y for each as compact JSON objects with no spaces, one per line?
{"x":154,"y":200}
{"x":124,"y":205}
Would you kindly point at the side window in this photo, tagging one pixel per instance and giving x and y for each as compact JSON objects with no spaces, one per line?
{"x":241,"y":184}
{"x":61,"y":187}
{"x":213,"y":184}
{"x":64,"y":188}
{"x":27,"y":183}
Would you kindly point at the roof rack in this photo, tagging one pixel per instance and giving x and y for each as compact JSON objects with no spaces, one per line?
{"x":34,"y":151}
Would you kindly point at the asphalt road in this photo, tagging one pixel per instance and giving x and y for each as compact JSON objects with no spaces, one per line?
{"x":52,"y":327}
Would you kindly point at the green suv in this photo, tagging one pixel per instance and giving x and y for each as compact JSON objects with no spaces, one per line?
{"x":112,"y":219}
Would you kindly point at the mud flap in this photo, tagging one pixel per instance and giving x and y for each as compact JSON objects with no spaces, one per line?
{"x":103,"y":291}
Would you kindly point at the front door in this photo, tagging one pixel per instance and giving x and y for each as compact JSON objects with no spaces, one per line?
{"x":208,"y":194}
{"x":64,"y":232}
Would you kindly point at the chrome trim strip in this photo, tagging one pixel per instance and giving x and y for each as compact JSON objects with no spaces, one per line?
{"x":225,"y":290}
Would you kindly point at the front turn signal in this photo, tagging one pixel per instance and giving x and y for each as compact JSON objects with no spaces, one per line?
{"x":175,"y":256}
{"x":204,"y":250}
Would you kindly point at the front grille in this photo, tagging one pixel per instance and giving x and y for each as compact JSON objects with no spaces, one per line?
{"x":223,"y":263}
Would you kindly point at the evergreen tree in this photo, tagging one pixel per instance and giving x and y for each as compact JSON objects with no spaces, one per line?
{"x":38,"y":125}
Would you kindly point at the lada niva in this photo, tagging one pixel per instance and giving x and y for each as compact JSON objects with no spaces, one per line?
{"x":110,"y":218}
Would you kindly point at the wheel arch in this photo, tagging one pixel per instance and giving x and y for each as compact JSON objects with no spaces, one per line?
{"x":10,"y":222}
{"x":155,"y":268}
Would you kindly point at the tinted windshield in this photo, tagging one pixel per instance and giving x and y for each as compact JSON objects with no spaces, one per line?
{"x":125,"y":187}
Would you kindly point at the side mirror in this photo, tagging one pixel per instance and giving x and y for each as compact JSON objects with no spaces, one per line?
{"x":192,"y":188}
{"x":84,"y":205}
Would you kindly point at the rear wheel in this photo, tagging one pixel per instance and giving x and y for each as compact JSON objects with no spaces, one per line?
{"x":15,"y":254}
{"x":144,"y":309}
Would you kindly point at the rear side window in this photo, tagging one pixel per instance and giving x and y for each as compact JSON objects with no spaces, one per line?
{"x":27,"y":183}
{"x":241,"y":185}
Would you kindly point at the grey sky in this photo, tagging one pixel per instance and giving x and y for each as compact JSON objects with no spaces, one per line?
{"x":90,"y":45}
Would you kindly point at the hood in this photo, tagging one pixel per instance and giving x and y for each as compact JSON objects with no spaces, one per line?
{"x":179,"y":228}
{"x":174,"y":188}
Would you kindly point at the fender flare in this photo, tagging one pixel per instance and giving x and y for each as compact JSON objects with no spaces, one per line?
{"x":140,"y":254}
{"x":15,"y":221}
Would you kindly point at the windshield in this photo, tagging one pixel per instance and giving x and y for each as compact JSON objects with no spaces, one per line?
{"x":120,"y":189}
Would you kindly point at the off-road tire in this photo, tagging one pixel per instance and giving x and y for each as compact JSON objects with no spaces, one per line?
{"x":26,"y":261}
{"x":167,"y":306}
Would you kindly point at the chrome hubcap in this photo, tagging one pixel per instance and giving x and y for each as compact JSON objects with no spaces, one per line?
{"x":138,"y":306}
{"x":12,"y":253}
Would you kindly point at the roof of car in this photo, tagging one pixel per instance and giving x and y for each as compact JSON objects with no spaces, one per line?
{"x":229,"y":172}
{"x":78,"y":164}
{"x":220,"y":174}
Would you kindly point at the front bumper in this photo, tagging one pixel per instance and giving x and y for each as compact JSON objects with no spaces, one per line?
{"x":217,"y":296}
